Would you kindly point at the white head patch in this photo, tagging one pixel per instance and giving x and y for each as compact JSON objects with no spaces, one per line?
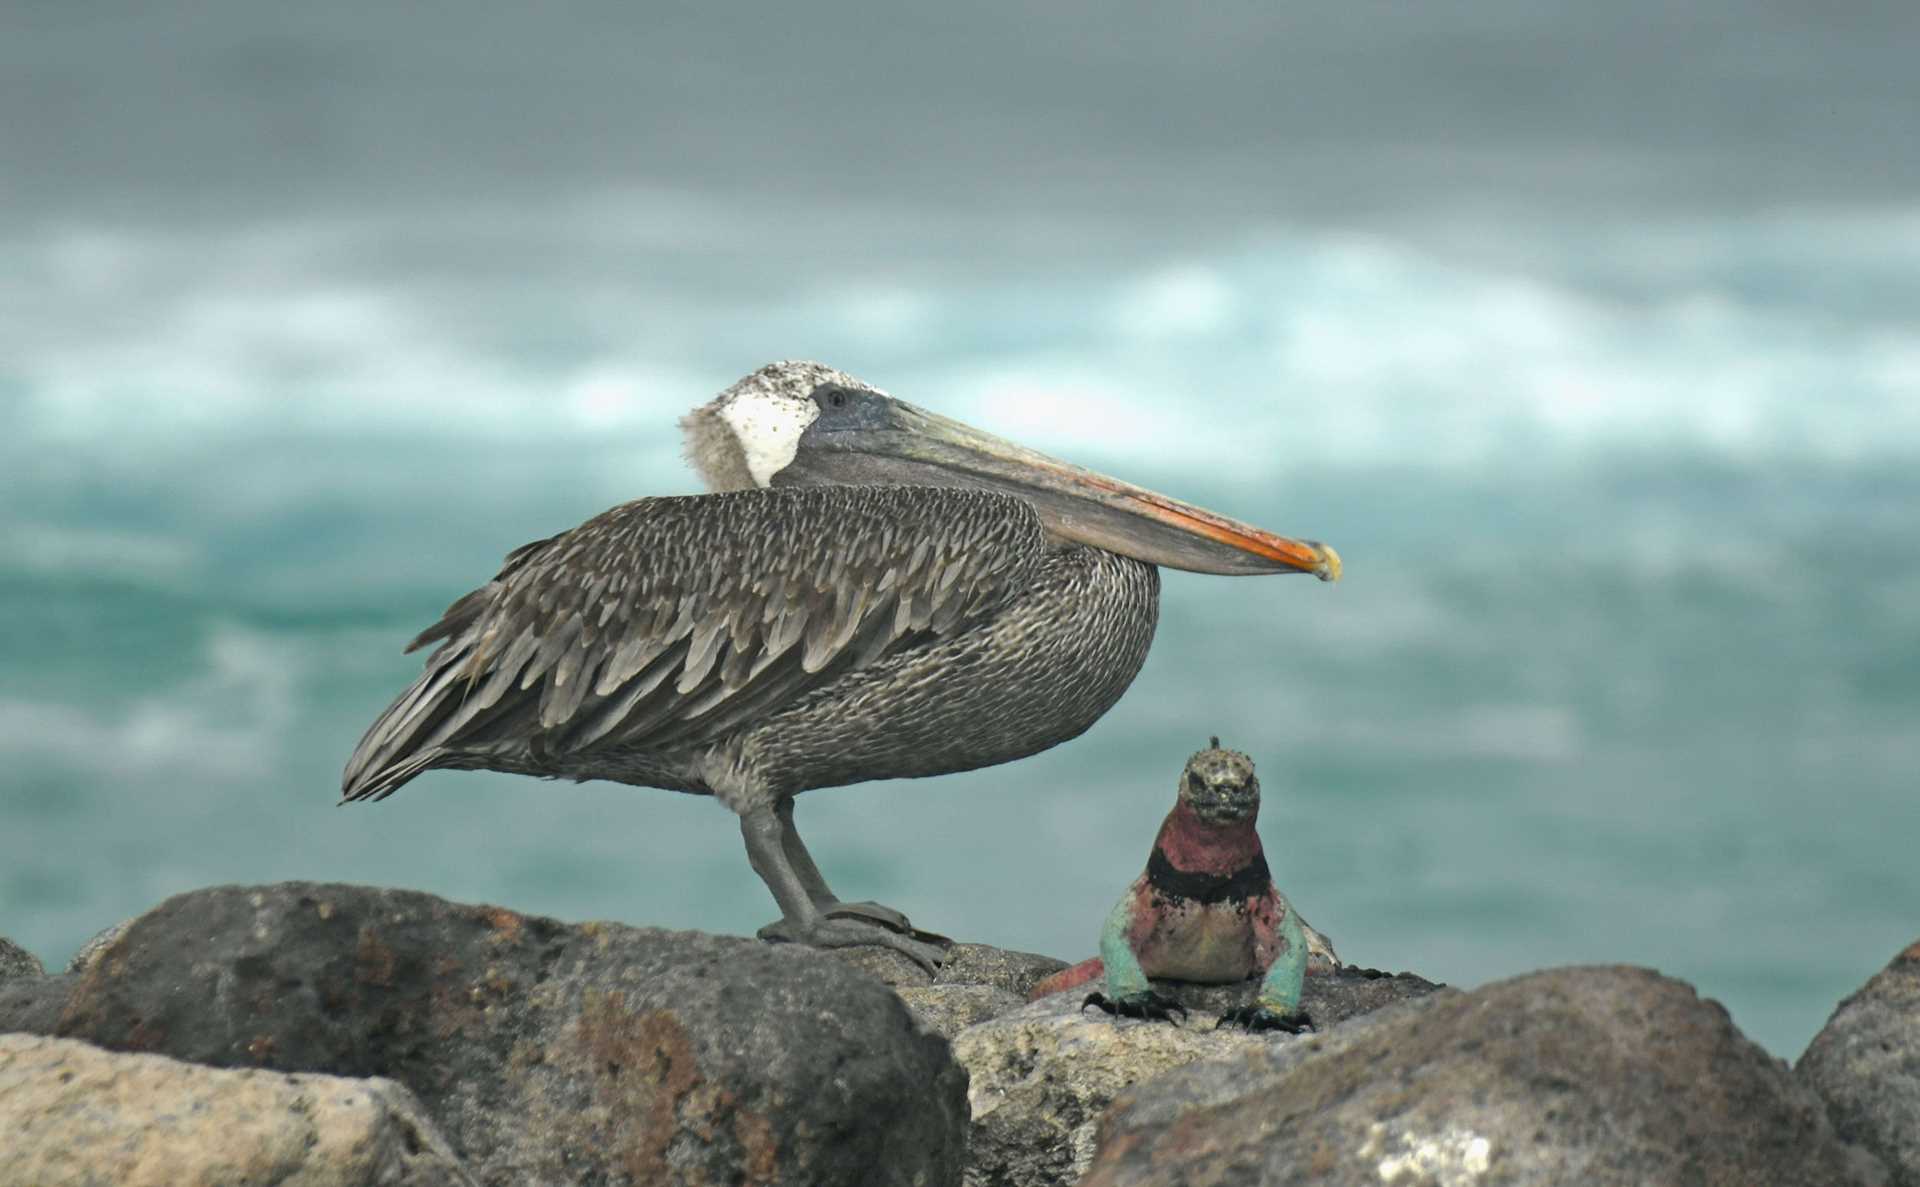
{"x":744,"y":436}
{"x":767,"y":426}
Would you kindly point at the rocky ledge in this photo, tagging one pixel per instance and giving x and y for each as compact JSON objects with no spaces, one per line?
{"x":324,"y":1034}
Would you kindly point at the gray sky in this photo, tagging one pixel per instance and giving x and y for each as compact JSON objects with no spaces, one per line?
{"x":1062,"y":127}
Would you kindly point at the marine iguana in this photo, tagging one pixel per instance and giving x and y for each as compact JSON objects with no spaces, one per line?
{"x":1206,"y":910}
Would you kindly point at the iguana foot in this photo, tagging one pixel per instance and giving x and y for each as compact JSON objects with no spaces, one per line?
{"x":923,"y":948}
{"x":1257,"y":1018}
{"x":1146,"y":1004}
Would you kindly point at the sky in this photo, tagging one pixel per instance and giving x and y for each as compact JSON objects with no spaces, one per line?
{"x":1161,"y":124}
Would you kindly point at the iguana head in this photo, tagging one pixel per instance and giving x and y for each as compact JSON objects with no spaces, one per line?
{"x":1219,"y":786}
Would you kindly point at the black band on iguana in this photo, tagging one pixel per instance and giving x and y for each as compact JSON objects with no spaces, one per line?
{"x":1249,"y":881}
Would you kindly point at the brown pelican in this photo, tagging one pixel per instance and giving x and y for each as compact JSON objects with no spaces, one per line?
{"x":872,"y":591}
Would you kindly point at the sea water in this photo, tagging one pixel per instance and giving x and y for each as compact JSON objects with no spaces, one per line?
{"x":1625,"y":666}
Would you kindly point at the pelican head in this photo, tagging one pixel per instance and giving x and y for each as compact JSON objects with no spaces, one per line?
{"x":800,"y":423}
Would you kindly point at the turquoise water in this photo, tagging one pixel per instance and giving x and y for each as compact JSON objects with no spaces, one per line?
{"x":1626,"y":664}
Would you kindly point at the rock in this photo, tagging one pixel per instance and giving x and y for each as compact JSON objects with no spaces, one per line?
{"x":1866,"y":1064}
{"x":1596,"y":1076}
{"x":946,"y":1010}
{"x":546,"y":1052}
{"x":982,"y":964}
{"x":976,"y":982}
{"x":34,"y":1004}
{"x":75,"y":1115}
{"x":98,"y":944}
{"x":16,"y":962}
{"x":966,"y":964}
{"x":1041,"y":1077}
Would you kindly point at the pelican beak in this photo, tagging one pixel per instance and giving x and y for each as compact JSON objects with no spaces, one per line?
{"x":892,"y":441}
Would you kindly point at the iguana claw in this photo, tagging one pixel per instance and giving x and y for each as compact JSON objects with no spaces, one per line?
{"x":1257,"y":1018}
{"x":1137,"y":1005}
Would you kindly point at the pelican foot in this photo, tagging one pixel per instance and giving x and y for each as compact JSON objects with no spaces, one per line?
{"x":886,"y":917}
{"x":1255,"y":1018}
{"x":878,"y":913}
{"x":1137,"y":1005}
{"x":827,"y":932}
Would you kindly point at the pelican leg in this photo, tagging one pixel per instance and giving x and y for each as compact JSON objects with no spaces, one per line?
{"x":801,"y":920}
{"x":817,"y":888}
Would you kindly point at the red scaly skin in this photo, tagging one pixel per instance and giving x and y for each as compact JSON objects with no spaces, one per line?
{"x":1194,"y":846}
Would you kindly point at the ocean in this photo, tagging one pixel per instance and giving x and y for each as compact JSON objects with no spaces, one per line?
{"x":1625,"y":666}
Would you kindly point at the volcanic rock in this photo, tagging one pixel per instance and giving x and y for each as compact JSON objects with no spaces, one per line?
{"x":16,"y":962}
{"x":547,"y":1052}
{"x":1866,"y":1064}
{"x":1041,"y":1076}
{"x":1598,"y":1076}
{"x":72,"y":1115}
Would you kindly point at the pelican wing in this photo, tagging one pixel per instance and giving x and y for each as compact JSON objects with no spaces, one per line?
{"x":668,"y":622}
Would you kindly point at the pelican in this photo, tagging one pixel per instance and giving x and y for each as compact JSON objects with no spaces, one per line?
{"x":871,"y":591}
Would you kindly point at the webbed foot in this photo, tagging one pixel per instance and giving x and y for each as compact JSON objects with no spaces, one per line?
{"x":925,"y":949}
{"x":1146,"y":1004}
{"x":883,"y":915}
{"x":1258,"y":1018}
{"x":875,"y":914}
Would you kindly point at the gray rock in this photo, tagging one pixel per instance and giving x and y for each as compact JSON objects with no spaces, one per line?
{"x":98,"y":944}
{"x":1596,"y":1076}
{"x":1002,"y":968}
{"x":1866,"y":1064}
{"x":946,"y":1010}
{"x":548,"y":1053}
{"x":975,"y":983}
{"x":966,"y":964}
{"x":76,"y":1116}
{"x":34,"y":1004}
{"x":893,"y":969}
{"x":16,"y":962}
{"x":1040,"y":1078}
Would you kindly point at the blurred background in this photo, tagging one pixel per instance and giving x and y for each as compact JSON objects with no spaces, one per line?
{"x":1590,"y":335}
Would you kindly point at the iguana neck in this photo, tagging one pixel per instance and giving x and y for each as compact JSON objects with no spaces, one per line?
{"x":1191,"y":845}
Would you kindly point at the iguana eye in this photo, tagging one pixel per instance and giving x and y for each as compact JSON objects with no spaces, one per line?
{"x":1195,"y":783}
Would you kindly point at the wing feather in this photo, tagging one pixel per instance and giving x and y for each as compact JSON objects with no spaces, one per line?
{"x":672,"y":621}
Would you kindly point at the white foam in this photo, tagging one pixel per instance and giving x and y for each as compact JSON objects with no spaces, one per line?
{"x":1345,"y":349}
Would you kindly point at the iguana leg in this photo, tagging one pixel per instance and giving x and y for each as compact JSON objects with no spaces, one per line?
{"x":1280,"y":989}
{"x":1321,"y":957}
{"x":1278,"y":1005}
{"x":1128,"y":995}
